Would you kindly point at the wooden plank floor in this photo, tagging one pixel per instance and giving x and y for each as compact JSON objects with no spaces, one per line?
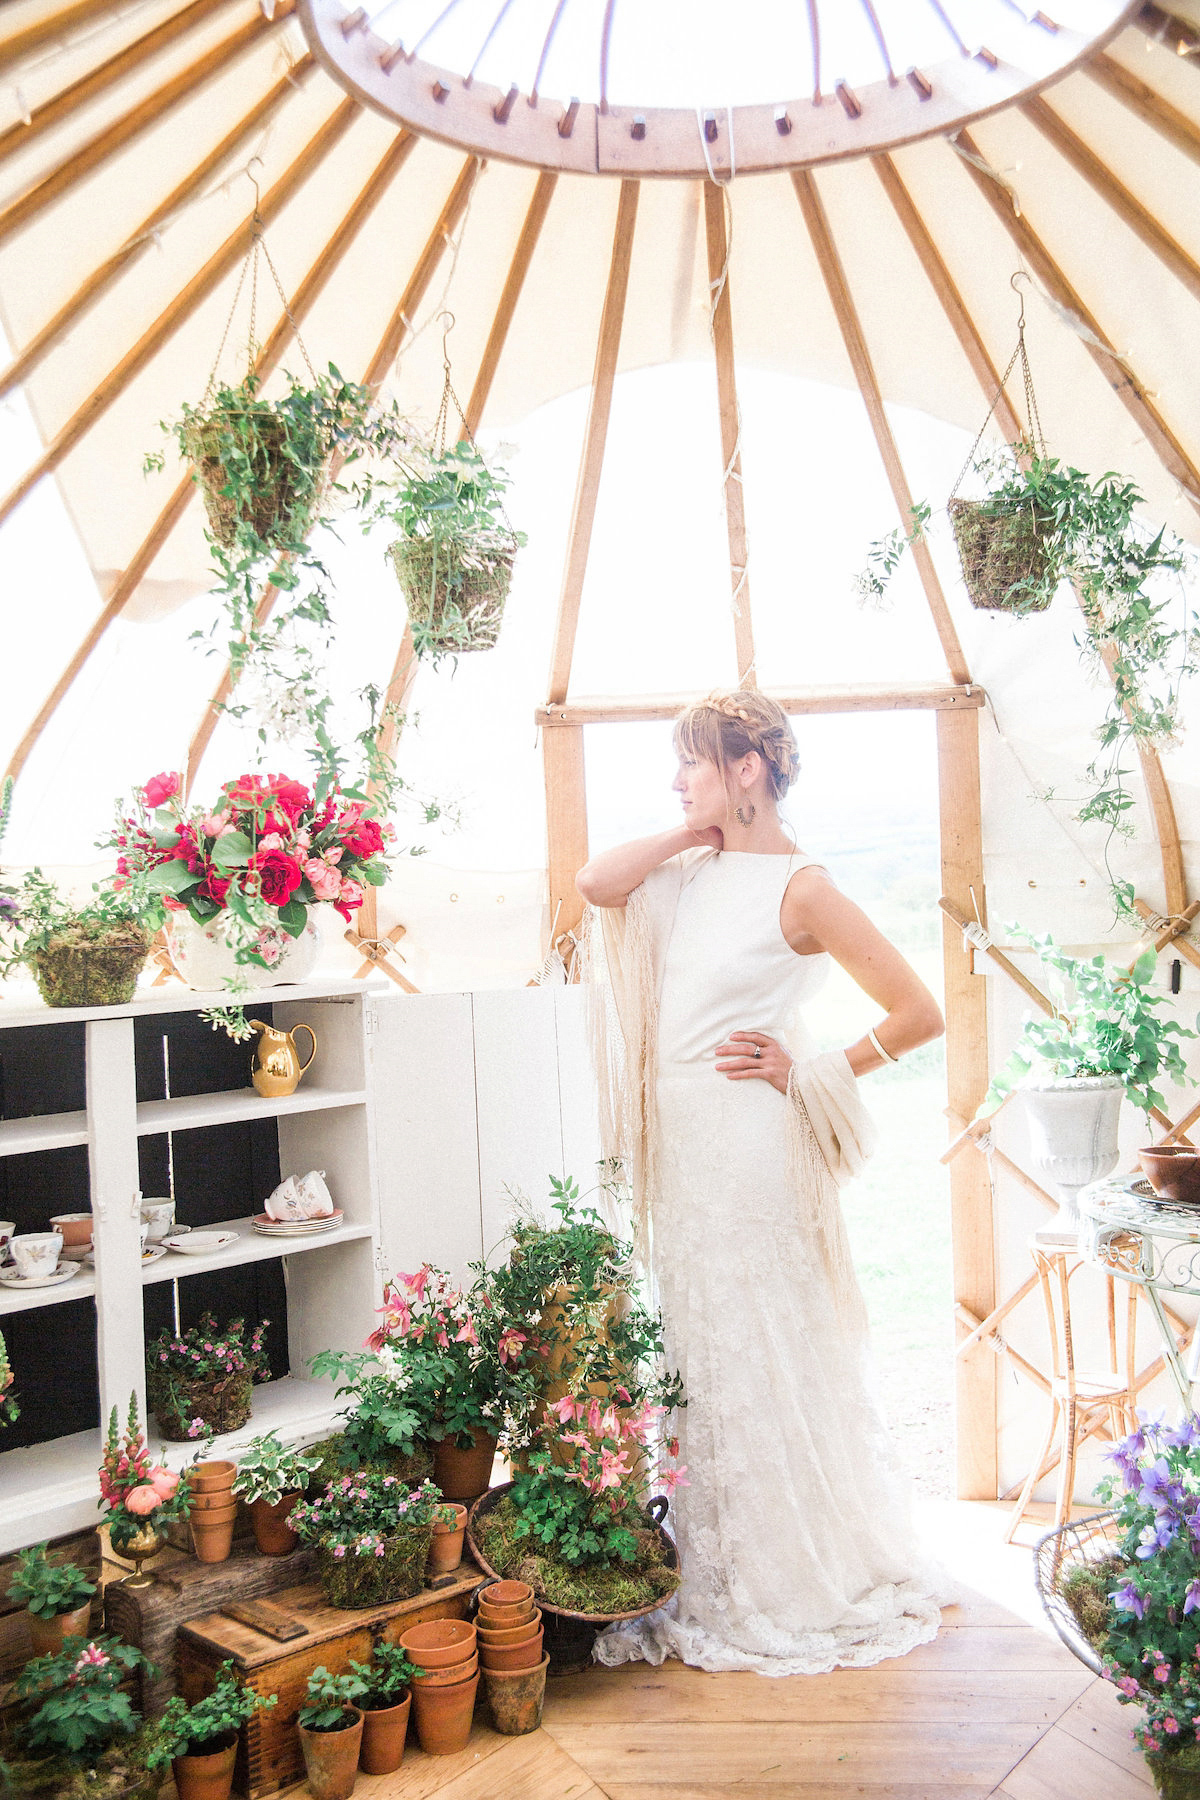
{"x":991,"y":1708}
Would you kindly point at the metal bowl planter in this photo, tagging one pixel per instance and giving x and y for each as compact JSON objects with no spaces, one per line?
{"x":1071,"y":1546}
{"x":570,"y":1635}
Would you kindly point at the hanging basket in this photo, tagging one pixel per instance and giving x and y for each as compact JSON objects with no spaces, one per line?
{"x":247,"y":478}
{"x":1006,"y":563}
{"x":455,"y":587}
{"x":91,"y":964}
{"x":221,"y":1405}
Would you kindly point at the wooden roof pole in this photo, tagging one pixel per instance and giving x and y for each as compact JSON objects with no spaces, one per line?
{"x":1158,"y":794}
{"x":732,"y":494}
{"x":1167,"y":27}
{"x":82,"y":162}
{"x":1143,"y":100}
{"x":381,"y":361}
{"x":595,"y":436}
{"x":608,"y":710}
{"x":1121,"y":378}
{"x":1114,"y":193}
{"x":21,"y":44}
{"x":97,"y":81}
{"x":181,"y":307}
{"x":142,"y":239}
{"x":860,"y":357}
{"x":137,"y":568}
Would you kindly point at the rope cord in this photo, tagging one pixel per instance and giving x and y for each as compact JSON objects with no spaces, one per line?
{"x":716,"y":292}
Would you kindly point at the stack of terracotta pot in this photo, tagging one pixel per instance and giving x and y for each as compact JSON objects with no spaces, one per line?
{"x":443,"y":1691}
{"x":510,"y":1635}
{"x":212,"y":1510}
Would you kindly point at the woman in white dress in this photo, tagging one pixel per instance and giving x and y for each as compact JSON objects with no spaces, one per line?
{"x":798,"y":1552}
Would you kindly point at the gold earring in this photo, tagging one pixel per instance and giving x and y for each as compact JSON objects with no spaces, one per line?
{"x":741,"y":816}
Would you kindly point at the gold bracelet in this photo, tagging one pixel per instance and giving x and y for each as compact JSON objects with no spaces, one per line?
{"x":886,"y":1054}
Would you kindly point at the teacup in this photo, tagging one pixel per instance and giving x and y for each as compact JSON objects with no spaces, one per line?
{"x":36,"y":1252}
{"x":143,"y":1233}
{"x":75,"y":1228}
{"x":159,"y":1215}
{"x":7,"y":1227}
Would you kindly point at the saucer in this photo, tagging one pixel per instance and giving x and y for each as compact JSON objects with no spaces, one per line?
{"x":75,"y":1253}
{"x":11,"y":1279}
{"x":200,"y":1243}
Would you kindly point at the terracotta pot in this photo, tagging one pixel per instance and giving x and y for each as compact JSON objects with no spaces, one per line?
{"x":439,"y":1643}
{"x":212,"y":1534}
{"x":448,"y":1676}
{"x":526,"y":1655}
{"x":384,"y":1731}
{"x":272,"y":1533}
{"x":1173,"y":1172}
{"x":513,"y":1634}
{"x":444,"y":1715}
{"x":331,"y":1758}
{"x":216,"y":1502}
{"x":464,"y":1474}
{"x":502,"y":1596}
{"x":208,"y":1477}
{"x":208,"y":1777}
{"x":445,"y":1552}
{"x":515,"y":1698}
{"x":46,"y":1635}
{"x":499,"y":1618}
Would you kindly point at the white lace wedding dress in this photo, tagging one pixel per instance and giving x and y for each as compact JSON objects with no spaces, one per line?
{"x":798,"y":1553}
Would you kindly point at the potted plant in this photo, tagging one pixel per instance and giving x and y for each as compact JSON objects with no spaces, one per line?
{"x":271,"y":1478}
{"x":385,"y":1703}
{"x":1075,"y":1067}
{"x":200,"y":1741}
{"x":454,"y":558}
{"x":74,"y":1731}
{"x":140,"y":1496}
{"x":384,"y":1429}
{"x":372,"y":1534}
{"x":330,"y":1725}
{"x":9,"y":1410}
{"x":80,"y":954}
{"x":200,"y":1381}
{"x":57,"y":1597}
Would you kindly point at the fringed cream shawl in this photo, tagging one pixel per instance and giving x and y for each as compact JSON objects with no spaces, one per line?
{"x":830,"y":1133}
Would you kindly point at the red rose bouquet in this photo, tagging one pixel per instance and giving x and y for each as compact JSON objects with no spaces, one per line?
{"x":263,"y":854}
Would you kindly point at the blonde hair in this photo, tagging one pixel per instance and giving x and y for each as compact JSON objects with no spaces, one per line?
{"x":726,"y":726}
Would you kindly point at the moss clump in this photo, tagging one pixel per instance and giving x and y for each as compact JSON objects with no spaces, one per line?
{"x":91,"y":962}
{"x":1176,"y":1772}
{"x":603,"y":1589}
{"x":1006,"y":564}
{"x":337,"y":1460}
{"x":1086,"y":1588}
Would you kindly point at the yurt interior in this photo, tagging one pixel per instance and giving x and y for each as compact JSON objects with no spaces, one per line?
{"x":469,"y":468}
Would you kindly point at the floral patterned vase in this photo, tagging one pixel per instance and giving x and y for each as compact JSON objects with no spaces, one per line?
{"x":206,"y":960}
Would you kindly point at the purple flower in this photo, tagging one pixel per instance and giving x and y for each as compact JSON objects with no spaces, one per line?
{"x":1191,"y":1600}
{"x":1156,"y":1537}
{"x":8,"y":907}
{"x":1127,"y":1599}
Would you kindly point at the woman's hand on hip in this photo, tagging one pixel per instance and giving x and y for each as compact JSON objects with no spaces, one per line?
{"x":752,"y":1055}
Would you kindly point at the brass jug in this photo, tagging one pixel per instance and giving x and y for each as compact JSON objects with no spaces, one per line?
{"x":277,"y":1069}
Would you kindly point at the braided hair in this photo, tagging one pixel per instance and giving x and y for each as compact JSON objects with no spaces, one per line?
{"x":726,"y":726}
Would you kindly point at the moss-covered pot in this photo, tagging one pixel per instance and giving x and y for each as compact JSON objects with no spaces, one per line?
{"x":89,"y":964}
{"x":1006,"y":564}
{"x":1177,"y":1774}
{"x":360,"y":1581}
{"x":222,"y":1405}
{"x":262,"y":492}
{"x":454,"y":589}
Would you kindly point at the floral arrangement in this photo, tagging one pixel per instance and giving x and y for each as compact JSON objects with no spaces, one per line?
{"x":9,"y":1410}
{"x":134,"y":1489}
{"x":268,"y":1469}
{"x":373,"y":1532}
{"x":205,"y":1728}
{"x":48,"y":1589}
{"x":198,"y":1381}
{"x":1151,"y":1645}
{"x":267,"y":850}
{"x":384,"y":1429}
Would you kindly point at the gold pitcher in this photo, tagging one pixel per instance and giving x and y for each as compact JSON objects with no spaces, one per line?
{"x":277,"y":1069}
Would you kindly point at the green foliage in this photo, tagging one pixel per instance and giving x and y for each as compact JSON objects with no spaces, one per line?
{"x":268,"y":1469}
{"x":382,"y":1420}
{"x":185,"y":1730}
{"x":885,"y":555}
{"x":554,"y":1507}
{"x":9,"y":1410}
{"x":1113,"y":1028}
{"x":47,"y":1588}
{"x":77,"y":1703}
{"x":35,"y":916}
{"x":329,"y":1697}
{"x":387,"y":1676}
{"x":609,"y":1588}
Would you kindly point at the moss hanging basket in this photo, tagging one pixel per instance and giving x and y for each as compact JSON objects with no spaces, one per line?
{"x":1006,"y":562}
{"x":91,"y":963}
{"x":248,"y":477}
{"x":360,"y":1581}
{"x":455,"y":587}
{"x":221,"y":1405}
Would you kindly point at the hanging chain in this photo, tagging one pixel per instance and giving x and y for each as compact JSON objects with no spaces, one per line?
{"x":441,"y":427}
{"x":1020,"y":354}
{"x":258,"y":243}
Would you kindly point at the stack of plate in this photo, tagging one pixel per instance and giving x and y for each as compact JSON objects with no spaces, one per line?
{"x":287,"y":1228}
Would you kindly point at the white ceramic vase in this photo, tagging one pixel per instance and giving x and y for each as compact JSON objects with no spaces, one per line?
{"x":1073,"y":1139}
{"x":207,"y":960}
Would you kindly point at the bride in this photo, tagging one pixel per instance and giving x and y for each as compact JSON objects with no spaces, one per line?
{"x":798,"y":1554}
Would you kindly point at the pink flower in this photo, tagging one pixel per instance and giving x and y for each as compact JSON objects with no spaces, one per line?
{"x":1162,"y":1672}
{"x":160,"y":788}
{"x":468,"y":1333}
{"x":1171,"y":1724}
{"x":351,"y":897}
{"x":563,"y":1409}
{"x":512,"y":1343}
{"x":213,"y":825}
{"x":1128,"y":1685}
{"x":339,"y":1550}
{"x":673,"y":1478}
{"x":272,"y":840}
{"x":164,"y":1481}
{"x":141,"y":1501}
{"x":268,"y":947}
{"x":92,"y":1658}
{"x":324,"y":881}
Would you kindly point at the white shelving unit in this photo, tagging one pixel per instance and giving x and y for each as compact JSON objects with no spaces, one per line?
{"x":333,"y":1280}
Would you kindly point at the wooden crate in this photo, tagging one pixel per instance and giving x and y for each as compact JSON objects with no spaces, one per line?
{"x":269,"y":1756}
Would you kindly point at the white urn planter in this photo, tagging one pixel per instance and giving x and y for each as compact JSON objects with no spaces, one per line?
{"x":1073,"y":1139}
{"x":206,"y":960}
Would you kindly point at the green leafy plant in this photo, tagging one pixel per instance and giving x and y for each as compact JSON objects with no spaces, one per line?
{"x":329,"y":1699}
{"x":885,"y":555}
{"x":9,"y":1410}
{"x":386,"y":1677}
{"x":381,"y":1422}
{"x":1113,"y":1027}
{"x":207,"y":1726}
{"x":268,"y":1469}
{"x":358,"y":1513}
{"x":43,"y":930}
{"x":198,"y":1381}
{"x":78,"y":1702}
{"x":48,"y":1589}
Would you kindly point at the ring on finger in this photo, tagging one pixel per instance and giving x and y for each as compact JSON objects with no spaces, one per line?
{"x":757,"y":1051}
